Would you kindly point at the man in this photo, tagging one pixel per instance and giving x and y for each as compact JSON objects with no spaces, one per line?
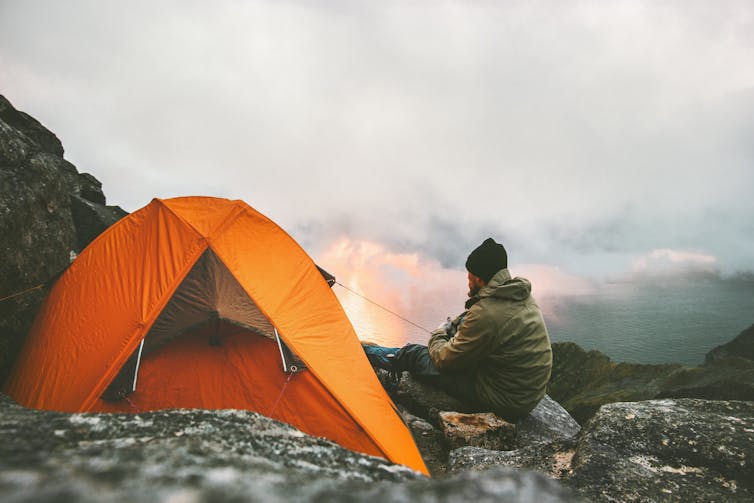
{"x":496,"y":355}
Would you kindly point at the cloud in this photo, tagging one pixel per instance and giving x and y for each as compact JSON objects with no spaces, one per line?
{"x":583,"y":136}
{"x":674,"y":261}
{"x":380,"y":286}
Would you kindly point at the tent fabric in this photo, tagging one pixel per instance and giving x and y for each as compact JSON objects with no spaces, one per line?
{"x":190,"y":374}
{"x":200,"y":256}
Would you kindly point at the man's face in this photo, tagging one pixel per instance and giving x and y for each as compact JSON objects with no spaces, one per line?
{"x":475,"y":284}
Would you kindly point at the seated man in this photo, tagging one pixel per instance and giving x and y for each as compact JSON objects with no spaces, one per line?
{"x":496,"y":355}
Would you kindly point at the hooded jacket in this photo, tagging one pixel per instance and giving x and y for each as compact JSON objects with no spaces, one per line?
{"x":502,"y":340}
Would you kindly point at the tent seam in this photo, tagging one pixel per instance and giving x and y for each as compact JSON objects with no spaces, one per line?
{"x":146,"y":323}
{"x":244,"y":209}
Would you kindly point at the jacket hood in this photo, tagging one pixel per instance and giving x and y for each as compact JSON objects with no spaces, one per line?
{"x":502,"y":286}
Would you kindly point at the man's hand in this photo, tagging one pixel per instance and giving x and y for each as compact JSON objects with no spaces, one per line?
{"x":446,"y":326}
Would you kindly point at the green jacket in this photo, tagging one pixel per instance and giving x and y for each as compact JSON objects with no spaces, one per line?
{"x":502,"y":339}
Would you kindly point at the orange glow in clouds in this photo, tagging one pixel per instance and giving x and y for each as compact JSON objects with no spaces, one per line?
{"x":417,"y":288}
{"x":420,"y":289}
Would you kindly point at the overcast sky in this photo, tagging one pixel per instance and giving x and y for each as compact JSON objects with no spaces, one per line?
{"x":594,"y":139}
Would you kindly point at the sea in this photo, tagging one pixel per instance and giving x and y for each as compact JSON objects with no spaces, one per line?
{"x":657,"y":320}
{"x":666,"y":320}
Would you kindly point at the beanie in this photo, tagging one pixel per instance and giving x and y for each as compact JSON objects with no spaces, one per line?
{"x":487,"y":259}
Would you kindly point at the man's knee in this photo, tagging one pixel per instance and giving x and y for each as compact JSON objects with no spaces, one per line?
{"x":415,"y":359}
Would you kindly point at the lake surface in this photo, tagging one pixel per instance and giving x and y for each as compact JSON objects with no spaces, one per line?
{"x":662,"y":320}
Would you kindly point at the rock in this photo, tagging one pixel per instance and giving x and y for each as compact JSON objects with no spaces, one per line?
{"x":219,"y":456}
{"x":92,"y":219}
{"x":667,"y":450}
{"x":740,"y":347}
{"x":548,"y":421}
{"x":482,"y":429}
{"x":583,"y":381}
{"x":158,"y":455}
{"x":430,"y":441}
{"x":496,"y":485}
{"x":661,"y":450}
{"x":48,"y":213}
{"x":545,"y":442}
{"x":424,"y":400}
{"x":439,"y":428}
{"x":551,"y":458}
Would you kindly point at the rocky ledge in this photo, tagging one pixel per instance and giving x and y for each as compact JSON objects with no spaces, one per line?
{"x":659,"y":450}
{"x":582,"y":381}
{"x":218,"y":456}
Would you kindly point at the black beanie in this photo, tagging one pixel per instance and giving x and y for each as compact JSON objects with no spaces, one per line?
{"x":487,"y":259}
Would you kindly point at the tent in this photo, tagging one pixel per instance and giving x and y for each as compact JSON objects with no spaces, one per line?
{"x":199,"y":302}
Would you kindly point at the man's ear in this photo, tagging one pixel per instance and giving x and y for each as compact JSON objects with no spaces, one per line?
{"x":477,"y":279}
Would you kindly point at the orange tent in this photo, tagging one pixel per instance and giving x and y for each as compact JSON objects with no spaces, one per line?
{"x":204,"y":302}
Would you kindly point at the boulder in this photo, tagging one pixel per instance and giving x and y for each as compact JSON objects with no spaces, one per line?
{"x":548,"y":421}
{"x":430,"y":442}
{"x":545,"y":441}
{"x":482,"y":429}
{"x":422,"y":399}
{"x":48,"y":213}
{"x":158,"y":455}
{"x":551,"y":458}
{"x":219,"y":456}
{"x":441,"y":423}
{"x":661,"y":450}
{"x":498,"y":484}
{"x":667,"y":450}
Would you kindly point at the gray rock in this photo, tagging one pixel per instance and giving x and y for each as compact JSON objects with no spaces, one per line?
{"x":48,"y":213}
{"x":92,"y":219}
{"x":493,"y":486}
{"x":218,"y":456}
{"x":545,"y":442}
{"x":424,"y":400}
{"x":667,"y":450}
{"x":155,"y":456}
{"x":550,"y":458}
{"x":430,"y":441}
{"x":548,"y":421}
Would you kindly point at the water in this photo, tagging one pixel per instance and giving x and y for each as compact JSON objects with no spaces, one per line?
{"x":674,"y":320}
{"x":662,"y":320}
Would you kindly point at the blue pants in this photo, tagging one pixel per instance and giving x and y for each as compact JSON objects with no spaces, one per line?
{"x":415,"y":359}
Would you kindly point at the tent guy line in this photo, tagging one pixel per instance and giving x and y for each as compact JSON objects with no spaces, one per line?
{"x":23,"y":292}
{"x":383,"y":307}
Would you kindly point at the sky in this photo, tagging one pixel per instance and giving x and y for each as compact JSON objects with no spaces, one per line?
{"x":598,"y":140}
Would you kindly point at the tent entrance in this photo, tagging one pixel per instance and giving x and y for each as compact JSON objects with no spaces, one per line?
{"x":208,"y":299}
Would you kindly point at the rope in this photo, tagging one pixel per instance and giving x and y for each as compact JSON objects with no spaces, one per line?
{"x":383,"y":307}
{"x":18,"y":294}
{"x":285,"y":385}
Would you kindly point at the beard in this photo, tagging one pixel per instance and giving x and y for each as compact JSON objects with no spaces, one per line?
{"x":474,"y":290}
